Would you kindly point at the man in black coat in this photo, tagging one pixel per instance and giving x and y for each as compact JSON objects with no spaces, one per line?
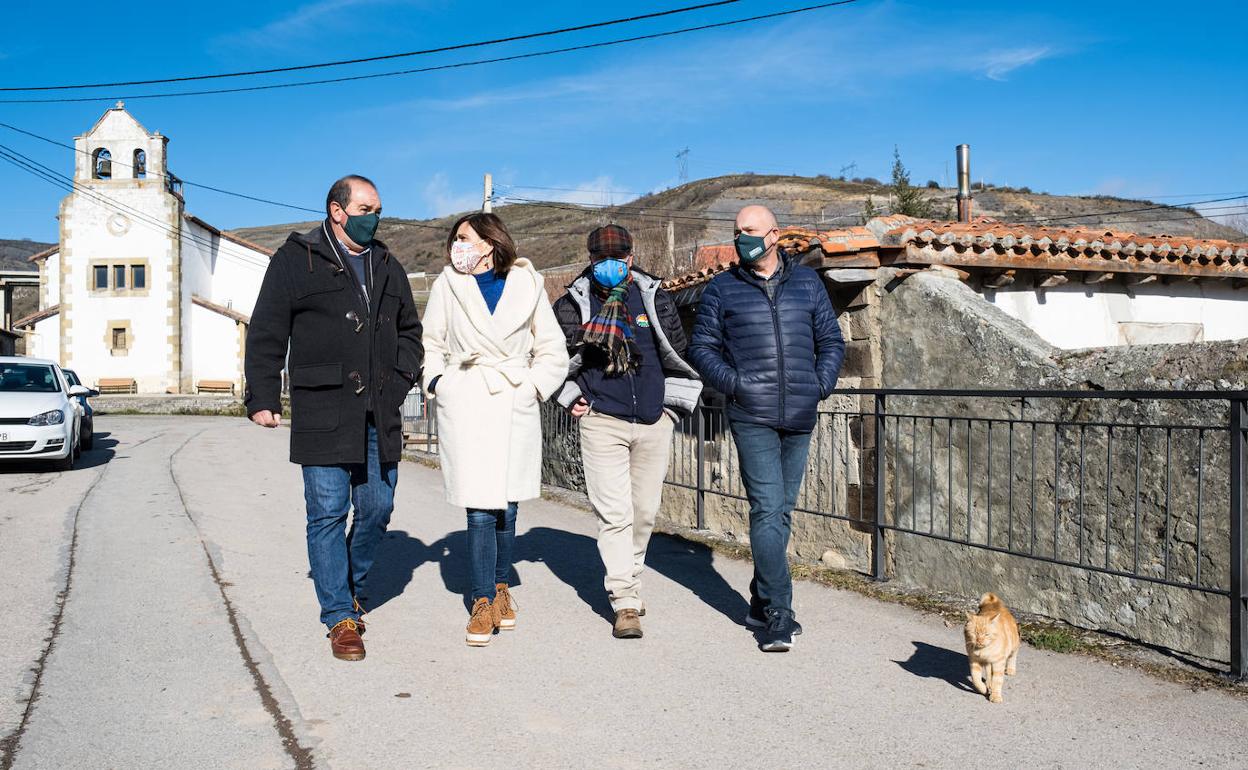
{"x":766,"y":337}
{"x":336,"y":311}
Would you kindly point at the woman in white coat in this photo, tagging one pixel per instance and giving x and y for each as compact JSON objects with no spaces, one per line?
{"x":493,"y":352}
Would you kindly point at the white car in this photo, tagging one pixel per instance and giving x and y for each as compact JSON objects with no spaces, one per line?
{"x":39,"y":418}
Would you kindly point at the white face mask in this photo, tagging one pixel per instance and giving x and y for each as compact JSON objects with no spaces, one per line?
{"x":465,"y":256}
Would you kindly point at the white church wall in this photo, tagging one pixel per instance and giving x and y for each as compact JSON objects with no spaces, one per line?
{"x":1081,"y":316}
{"x":216,"y":346}
{"x":115,"y":237}
{"x":240,"y":271}
{"x":50,"y":281}
{"x":45,"y":341}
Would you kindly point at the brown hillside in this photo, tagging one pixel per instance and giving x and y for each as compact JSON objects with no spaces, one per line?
{"x":553,"y":234}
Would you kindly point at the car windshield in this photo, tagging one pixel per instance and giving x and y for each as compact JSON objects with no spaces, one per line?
{"x":27,"y":378}
{"x":71,"y":377}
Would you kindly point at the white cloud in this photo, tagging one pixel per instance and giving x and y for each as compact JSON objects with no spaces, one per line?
{"x":442,"y":200}
{"x":998,"y":64}
{"x":818,"y":59}
{"x":296,"y":26}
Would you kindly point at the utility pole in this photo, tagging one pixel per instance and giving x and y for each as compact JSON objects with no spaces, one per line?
{"x":682,"y":165}
{"x":671,"y":246}
{"x":487,"y":203}
{"x":848,"y":169}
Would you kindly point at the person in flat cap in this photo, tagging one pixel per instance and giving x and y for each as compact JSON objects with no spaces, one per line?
{"x":628,"y":384}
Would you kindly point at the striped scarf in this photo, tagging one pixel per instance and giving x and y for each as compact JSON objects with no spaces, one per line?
{"x":611,"y":330}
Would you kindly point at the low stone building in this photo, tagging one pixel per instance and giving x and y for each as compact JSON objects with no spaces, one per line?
{"x":138,"y":293}
{"x":1075,"y":287}
{"x":1110,"y":514}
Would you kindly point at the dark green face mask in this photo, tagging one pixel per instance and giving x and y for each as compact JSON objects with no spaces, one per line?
{"x":750,"y":248}
{"x":361,"y":228}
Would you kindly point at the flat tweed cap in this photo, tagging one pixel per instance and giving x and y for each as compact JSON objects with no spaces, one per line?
{"x":610,"y":241}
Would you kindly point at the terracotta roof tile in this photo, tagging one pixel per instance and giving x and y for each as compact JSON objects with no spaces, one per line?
{"x":1019,"y":245}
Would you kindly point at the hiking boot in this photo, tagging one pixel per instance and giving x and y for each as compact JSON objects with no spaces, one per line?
{"x":506,"y":608}
{"x":482,"y":623}
{"x":781,"y":628}
{"x":345,"y":641}
{"x":627,"y":625}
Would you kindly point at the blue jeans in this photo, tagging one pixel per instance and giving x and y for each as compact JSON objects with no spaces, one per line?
{"x":772,"y":465}
{"x":491,"y":542}
{"x":340,"y":560}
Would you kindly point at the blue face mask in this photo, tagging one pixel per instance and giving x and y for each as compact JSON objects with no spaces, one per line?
{"x":750,"y":248}
{"x":610,"y":273}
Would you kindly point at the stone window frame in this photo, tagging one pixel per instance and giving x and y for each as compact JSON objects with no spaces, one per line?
{"x":127,"y":331}
{"x":111,"y":266}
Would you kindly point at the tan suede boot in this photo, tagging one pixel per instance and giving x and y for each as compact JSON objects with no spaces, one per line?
{"x":506,"y":608}
{"x":482,"y":623}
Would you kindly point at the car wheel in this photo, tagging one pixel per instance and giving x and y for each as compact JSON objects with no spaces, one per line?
{"x":88,"y":437}
{"x":66,"y":463}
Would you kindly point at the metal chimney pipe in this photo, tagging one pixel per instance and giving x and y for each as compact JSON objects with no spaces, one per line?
{"x":964,"y":183}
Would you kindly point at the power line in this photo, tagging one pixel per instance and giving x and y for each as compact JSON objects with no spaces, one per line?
{"x":1172,"y":206}
{"x":166,"y":175}
{"x":568,"y":189}
{"x":68,"y":184}
{"x":456,"y":65}
{"x":385,"y":57}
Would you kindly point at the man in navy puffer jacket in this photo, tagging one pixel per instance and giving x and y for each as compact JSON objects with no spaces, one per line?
{"x":766,"y":337}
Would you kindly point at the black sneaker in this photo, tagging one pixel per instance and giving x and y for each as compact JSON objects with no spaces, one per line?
{"x":779,"y":633}
{"x":757,"y":616}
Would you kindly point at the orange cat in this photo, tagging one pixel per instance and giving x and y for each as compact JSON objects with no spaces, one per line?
{"x":991,"y":645}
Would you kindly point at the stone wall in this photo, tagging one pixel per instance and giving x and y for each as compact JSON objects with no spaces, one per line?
{"x":929,"y":330}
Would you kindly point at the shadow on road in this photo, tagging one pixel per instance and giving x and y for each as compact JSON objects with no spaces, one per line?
{"x":101,"y":454}
{"x":931,"y":662}
{"x":571,"y":557}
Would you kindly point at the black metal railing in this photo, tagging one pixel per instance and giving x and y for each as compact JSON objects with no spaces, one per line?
{"x":1141,"y":485}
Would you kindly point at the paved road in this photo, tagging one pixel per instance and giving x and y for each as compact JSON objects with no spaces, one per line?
{"x":188,"y":638}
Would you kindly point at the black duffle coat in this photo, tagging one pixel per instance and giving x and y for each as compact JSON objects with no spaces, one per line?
{"x":350,"y":357}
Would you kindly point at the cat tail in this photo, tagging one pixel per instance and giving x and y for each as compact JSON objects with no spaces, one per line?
{"x":989,"y":601}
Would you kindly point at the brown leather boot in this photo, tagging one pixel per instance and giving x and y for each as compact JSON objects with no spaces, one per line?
{"x":506,"y":607}
{"x":627,"y":625}
{"x":345,"y":641}
{"x":482,"y":623}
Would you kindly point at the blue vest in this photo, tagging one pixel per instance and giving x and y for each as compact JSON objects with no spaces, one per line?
{"x":638,"y":395}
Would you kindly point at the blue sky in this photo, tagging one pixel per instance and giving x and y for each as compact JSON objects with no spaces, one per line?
{"x":1129,"y":98}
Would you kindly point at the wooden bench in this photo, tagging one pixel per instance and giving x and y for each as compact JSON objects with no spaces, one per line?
{"x":117,"y":385}
{"x":215,"y":386}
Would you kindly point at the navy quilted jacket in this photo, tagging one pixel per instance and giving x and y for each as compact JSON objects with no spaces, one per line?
{"x":775,"y":360}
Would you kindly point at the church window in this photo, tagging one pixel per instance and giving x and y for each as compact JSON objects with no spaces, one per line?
{"x":100,"y":279}
{"x":140,"y":164}
{"x":119,"y":338}
{"x":119,"y":276}
{"x":102,"y":164}
{"x":138,"y":277}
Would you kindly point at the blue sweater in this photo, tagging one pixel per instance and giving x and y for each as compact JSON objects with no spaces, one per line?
{"x":491,"y":287}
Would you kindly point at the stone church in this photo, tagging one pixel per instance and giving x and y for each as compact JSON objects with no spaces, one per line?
{"x":139,"y":295}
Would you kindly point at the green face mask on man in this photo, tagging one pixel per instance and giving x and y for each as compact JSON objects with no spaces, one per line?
{"x":361,"y":228}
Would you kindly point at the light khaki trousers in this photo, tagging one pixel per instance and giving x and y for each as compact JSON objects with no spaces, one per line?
{"x":625,"y":464}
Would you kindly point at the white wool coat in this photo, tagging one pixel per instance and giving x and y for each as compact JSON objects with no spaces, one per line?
{"x":495,"y":370}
